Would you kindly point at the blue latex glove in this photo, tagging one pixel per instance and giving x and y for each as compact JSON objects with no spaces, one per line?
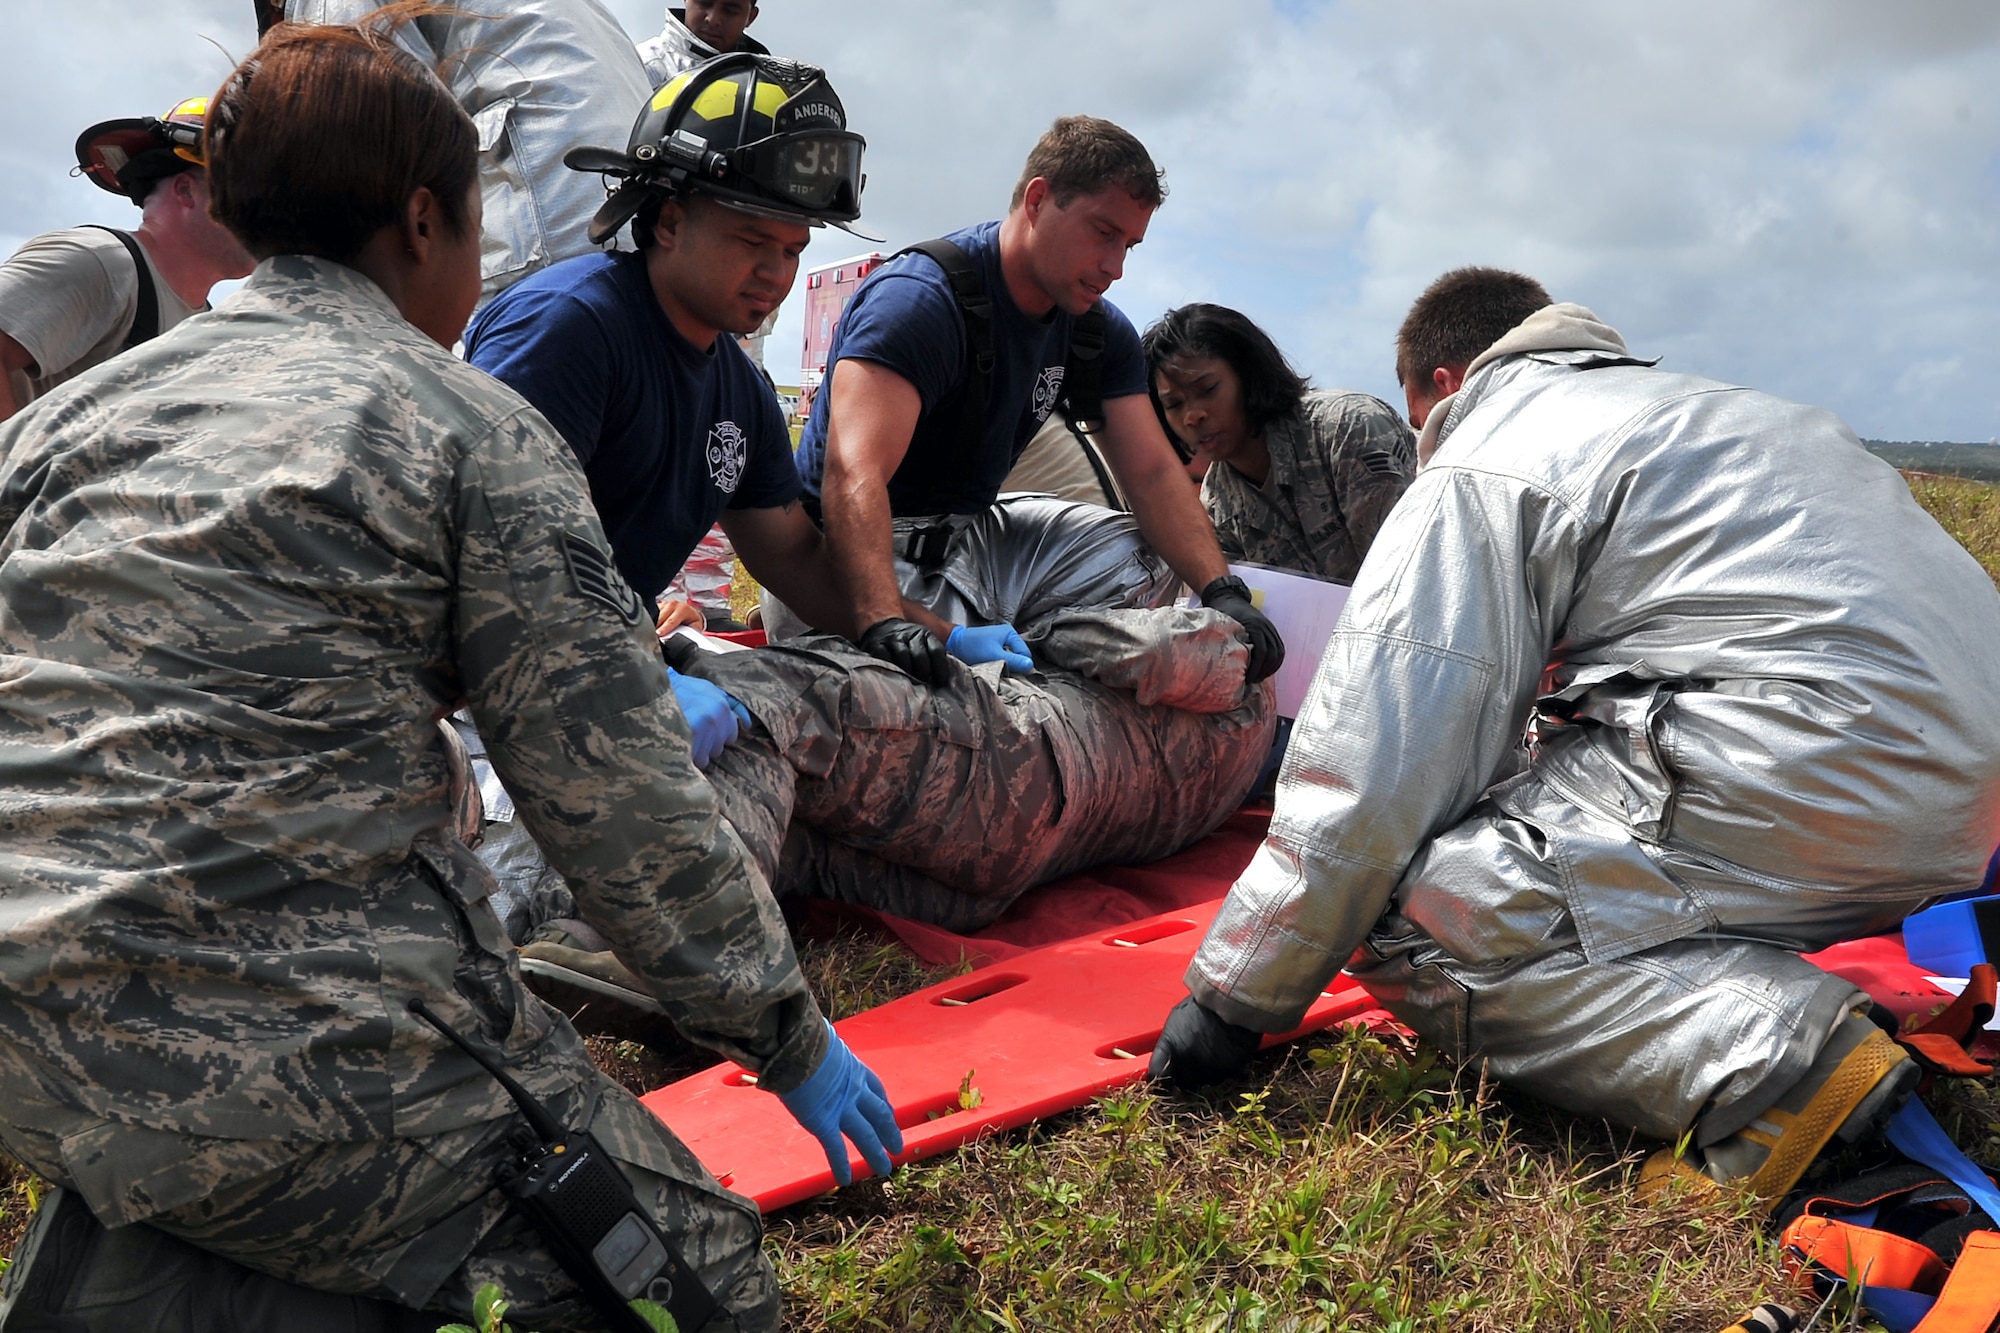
{"x":843,"y":1096}
{"x":989,"y":643}
{"x":713,"y":715}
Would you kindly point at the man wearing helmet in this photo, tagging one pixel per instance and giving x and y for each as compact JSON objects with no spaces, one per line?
{"x":919,"y":419}
{"x":726,"y":172}
{"x":70,"y":299}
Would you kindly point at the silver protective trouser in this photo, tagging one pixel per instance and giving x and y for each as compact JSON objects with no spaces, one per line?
{"x":1482,"y":957}
{"x":1020,"y":561}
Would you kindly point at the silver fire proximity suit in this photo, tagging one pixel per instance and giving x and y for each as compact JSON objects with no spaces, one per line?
{"x":538,"y":78}
{"x":1757,"y":690}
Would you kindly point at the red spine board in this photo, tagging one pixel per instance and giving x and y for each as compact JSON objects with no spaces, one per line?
{"x":1040,"y":1033}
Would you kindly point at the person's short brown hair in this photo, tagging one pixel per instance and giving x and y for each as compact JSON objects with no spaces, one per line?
{"x":317,"y":140}
{"x":1461,"y":315}
{"x":1083,"y":155}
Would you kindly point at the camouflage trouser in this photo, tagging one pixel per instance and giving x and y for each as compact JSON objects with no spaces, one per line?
{"x":1136,"y":738}
{"x":415,"y":1222}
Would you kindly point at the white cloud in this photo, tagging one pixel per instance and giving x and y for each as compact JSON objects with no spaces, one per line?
{"x":1803,"y":195}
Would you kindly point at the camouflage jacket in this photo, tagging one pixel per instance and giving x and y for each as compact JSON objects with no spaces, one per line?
{"x":1338,"y":466}
{"x":245,"y":568}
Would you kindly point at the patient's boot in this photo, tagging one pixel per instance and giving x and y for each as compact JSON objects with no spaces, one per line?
{"x":572,"y":967}
{"x":1858,"y":1081}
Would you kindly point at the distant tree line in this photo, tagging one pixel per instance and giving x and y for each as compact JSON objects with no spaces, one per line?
{"x":1980,"y":462}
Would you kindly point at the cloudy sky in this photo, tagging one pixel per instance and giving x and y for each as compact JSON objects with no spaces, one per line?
{"x":1802,"y":195}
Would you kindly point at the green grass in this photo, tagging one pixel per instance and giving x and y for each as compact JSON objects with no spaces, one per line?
{"x":1347,"y":1183}
{"x":1968,"y":510}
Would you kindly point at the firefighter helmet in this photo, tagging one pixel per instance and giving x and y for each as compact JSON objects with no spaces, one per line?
{"x":758,"y":133}
{"x":130,"y":156}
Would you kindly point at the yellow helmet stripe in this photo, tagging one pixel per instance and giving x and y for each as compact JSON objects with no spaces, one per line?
{"x":670,"y":90}
{"x":718,"y":100}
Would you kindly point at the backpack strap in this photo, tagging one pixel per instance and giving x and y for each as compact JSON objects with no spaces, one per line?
{"x":1083,"y":376}
{"x":146,"y":319}
{"x":976,"y":307}
{"x":1083,"y":379}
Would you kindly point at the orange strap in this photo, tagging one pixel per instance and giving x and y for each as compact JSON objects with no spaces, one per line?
{"x":1970,"y":1301}
{"x":1877,"y":1258}
{"x":1939,"y":1054}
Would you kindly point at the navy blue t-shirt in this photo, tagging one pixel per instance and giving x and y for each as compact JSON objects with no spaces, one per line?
{"x":904,"y":317}
{"x":669,"y":436}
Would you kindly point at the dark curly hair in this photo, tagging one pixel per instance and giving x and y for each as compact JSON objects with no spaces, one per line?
{"x":1272,"y":390}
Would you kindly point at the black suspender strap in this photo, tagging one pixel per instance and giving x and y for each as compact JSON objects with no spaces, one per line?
{"x":1083,"y":381}
{"x":146,"y":319}
{"x":977,"y":308}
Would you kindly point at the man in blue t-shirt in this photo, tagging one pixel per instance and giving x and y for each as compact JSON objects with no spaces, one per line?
{"x":632,"y":356}
{"x":673,"y":424}
{"x":883,"y":441}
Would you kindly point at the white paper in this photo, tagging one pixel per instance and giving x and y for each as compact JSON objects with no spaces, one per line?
{"x":1305,"y":610}
{"x":712,"y":644}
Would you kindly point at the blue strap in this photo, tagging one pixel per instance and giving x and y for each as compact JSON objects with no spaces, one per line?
{"x":1921,"y":1139}
{"x":1898,"y":1311}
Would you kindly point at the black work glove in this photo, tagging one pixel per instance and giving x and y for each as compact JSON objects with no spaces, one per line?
{"x":907,"y":644}
{"x":1198,"y":1049}
{"x":1231,"y":596}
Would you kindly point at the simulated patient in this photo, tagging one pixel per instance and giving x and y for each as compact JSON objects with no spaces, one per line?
{"x":1136,"y":736}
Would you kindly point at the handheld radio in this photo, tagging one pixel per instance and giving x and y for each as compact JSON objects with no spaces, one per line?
{"x":572,"y":1192}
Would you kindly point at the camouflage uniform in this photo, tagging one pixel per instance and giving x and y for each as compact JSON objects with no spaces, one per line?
{"x":245,"y":569}
{"x":858,"y":784}
{"x":1338,"y":466}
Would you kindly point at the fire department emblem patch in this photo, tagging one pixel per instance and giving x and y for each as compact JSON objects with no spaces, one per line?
{"x":728,"y":452}
{"x":1048,"y":392}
